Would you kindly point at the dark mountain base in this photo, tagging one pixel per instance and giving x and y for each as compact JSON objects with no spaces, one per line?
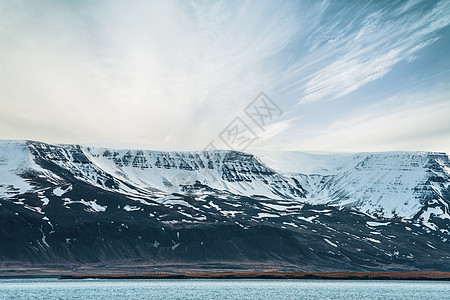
{"x":77,"y":239}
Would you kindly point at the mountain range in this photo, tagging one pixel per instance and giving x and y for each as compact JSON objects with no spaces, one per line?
{"x":72,"y":206}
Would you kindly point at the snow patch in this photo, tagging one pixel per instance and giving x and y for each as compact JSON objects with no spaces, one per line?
{"x":60,"y":191}
{"x":175,"y":246}
{"x":290,"y":224}
{"x":45,"y":201}
{"x":308,"y":219}
{"x":374,"y":224}
{"x":266,"y":215}
{"x":331,"y":243}
{"x":131,"y":208}
{"x":373,"y":240}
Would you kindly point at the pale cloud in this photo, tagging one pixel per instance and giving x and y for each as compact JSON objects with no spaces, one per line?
{"x":175,"y":73}
{"x":271,"y":130}
{"x":135,"y":72}
{"x":411,"y":122}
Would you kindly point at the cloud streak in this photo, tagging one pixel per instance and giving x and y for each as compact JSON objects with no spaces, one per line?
{"x":346,"y":55}
{"x":145,"y":70}
{"x":175,"y":73}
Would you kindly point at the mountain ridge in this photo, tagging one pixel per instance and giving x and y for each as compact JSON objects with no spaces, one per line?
{"x":69,"y":194}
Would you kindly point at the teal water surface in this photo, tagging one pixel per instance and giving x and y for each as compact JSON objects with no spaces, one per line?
{"x":50,"y":288}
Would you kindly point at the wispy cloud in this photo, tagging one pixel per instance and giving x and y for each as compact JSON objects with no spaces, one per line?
{"x":350,"y":50}
{"x":148,"y":71}
{"x":414,"y":121}
{"x":175,"y":73}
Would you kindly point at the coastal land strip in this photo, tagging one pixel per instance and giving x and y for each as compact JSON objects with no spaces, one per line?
{"x":407,"y":275}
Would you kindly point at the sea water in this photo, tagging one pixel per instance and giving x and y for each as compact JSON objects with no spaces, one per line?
{"x":52,"y":288}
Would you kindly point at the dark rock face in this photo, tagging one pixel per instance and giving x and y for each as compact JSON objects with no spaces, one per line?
{"x":79,"y":210}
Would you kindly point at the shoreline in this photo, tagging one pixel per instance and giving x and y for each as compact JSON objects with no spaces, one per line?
{"x":401,"y":275}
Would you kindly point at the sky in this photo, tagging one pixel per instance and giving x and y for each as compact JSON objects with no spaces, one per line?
{"x":188,"y":75}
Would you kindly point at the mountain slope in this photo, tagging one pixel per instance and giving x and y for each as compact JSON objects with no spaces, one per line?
{"x":69,"y":204}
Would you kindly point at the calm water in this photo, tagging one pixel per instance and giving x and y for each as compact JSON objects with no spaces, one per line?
{"x":220,"y":289}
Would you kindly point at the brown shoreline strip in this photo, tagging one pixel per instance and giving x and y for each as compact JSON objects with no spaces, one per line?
{"x":408,"y":275}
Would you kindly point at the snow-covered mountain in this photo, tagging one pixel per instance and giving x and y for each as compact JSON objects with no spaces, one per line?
{"x":388,"y":184}
{"x":391,"y":184}
{"x":338,"y":202}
